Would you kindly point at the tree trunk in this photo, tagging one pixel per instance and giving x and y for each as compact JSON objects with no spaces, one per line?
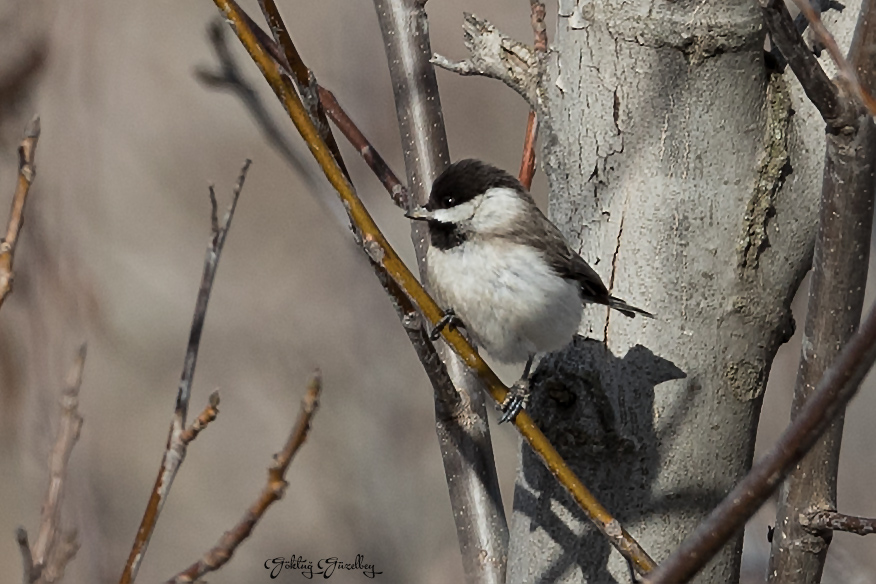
{"x":666,"y":146}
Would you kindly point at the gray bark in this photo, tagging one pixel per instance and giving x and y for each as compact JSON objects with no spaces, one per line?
{"x":666,"y":146}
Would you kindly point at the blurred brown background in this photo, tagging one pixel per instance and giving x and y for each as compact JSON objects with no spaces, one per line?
{"x":112,"y":253}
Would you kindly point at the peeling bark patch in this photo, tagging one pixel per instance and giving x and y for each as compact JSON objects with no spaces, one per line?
{"x":747,"y":379}
{"x":774,"y":167}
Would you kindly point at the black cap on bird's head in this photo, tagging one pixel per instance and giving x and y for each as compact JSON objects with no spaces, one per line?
{"x":461,"y":182}
{"x":464,"y":180}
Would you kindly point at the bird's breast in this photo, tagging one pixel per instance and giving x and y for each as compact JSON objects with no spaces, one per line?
{"x":509,"y":298}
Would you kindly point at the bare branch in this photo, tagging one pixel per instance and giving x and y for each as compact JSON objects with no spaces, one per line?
{"x":51,"y":552}
{"x":847,"y":72}
{"x":381,"y":252}
{"x":822,"y":521}
{"x":399,"y":193}
{"x":538,"y":26}
{"x":496,"y":55}
{"x":527,"y":163}
{"x":30,"y":573}
{"x":820,"y":90}
{"x":26,"y":174}
{"x":221,"y":553}
{"x":175,"y":452}
{"x":838,"y":385}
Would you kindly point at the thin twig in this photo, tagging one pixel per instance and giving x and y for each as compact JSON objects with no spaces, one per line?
{"x":208,"y":415}
{"x":399,"y":193}
{"x":273,"y":491}
{"x":820,"y":90}
{"x":838,"y":385}
{"x":381,"y":252}
{"x":822,"y":521}
{"x":847,"y":72}
{"x":26,"y":174}
{"x":527,"y":163}
{"x":29,"y":572}
{"x":49,"y":559}
{"x":175,"y":452}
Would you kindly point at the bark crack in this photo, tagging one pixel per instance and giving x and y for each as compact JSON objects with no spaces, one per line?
{"x":617,"y":245}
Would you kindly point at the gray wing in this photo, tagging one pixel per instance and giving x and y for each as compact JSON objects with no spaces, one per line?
{"x":537,"y":231}
{"x":540,"y":233}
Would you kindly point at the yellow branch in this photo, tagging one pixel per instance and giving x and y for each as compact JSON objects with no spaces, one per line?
{"x":381,"y":252}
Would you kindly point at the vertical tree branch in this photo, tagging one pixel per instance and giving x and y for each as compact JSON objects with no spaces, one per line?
{"x":175,"y":452}
{"x":836,"y":298}
{"x":26,"y":174}
{"x":466,"y":448}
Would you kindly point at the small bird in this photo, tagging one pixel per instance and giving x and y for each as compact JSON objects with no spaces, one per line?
{"x":503,"y":271}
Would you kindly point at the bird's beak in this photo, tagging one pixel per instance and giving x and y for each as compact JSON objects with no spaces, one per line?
{"x":419,"y":214}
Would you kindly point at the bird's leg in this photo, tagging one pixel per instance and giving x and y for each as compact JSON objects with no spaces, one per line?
{"x":518,"y":395}
{"x":448,"y":320}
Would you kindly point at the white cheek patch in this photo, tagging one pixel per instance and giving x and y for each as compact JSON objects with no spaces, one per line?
{"x":498,"y":210}
{"x":459,"y":213}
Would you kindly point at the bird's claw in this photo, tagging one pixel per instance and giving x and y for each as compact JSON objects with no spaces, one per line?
{"x":515,"y":401}
{"x":448,"y":320}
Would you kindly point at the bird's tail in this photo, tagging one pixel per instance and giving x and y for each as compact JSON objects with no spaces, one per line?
{"x":626,"y":309}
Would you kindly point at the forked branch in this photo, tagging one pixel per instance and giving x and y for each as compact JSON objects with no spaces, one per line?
{"x":273,"y":491}
{"x":55,"y":546}
{"x":180,"y":436}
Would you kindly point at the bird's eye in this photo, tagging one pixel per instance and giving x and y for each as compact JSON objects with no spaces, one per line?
{"x":449,"y":202}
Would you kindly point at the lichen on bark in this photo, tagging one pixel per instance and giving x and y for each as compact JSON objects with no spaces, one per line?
{"x":774,"y":167}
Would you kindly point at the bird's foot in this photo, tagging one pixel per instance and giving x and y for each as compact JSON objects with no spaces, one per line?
{"x":448,"y":320}
{"x":515,"y":401}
